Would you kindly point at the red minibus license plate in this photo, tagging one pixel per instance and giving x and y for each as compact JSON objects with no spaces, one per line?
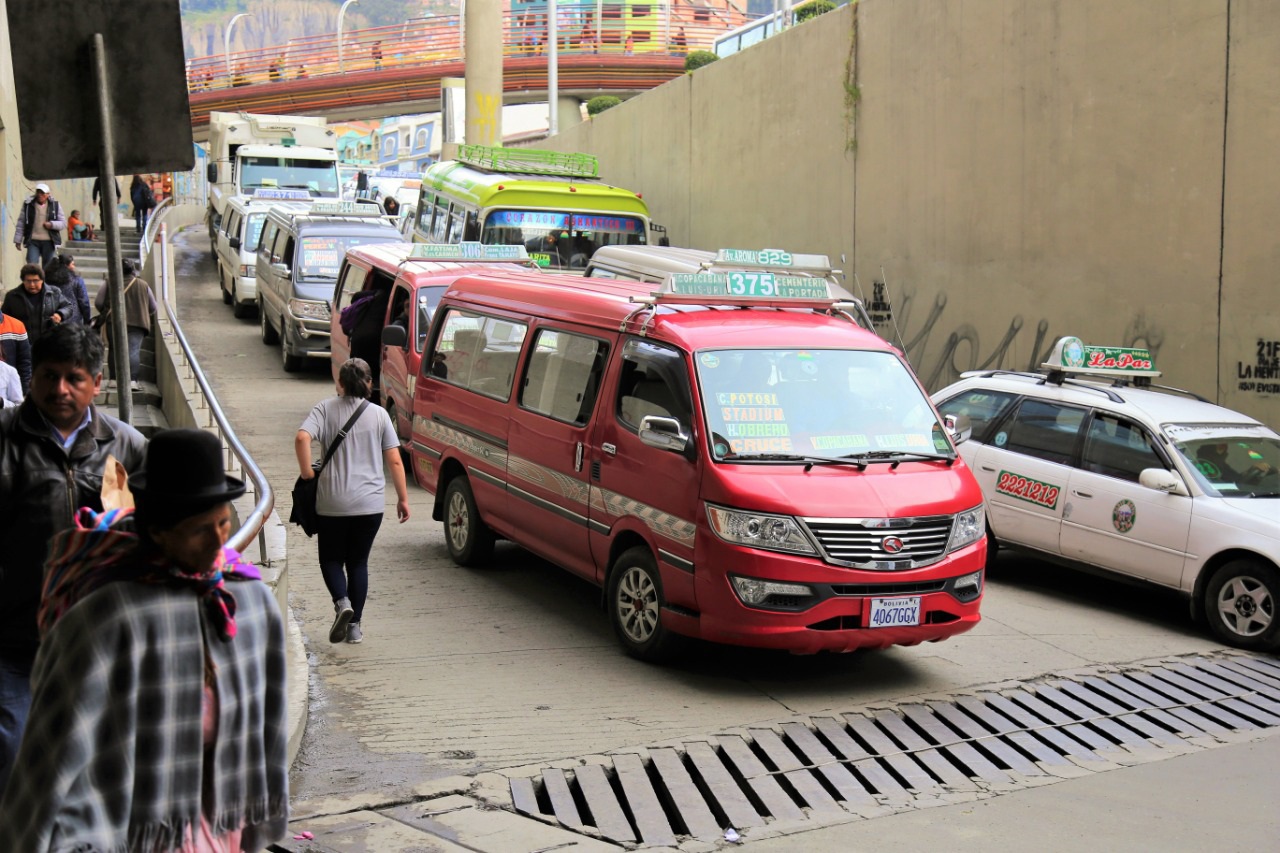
{"x":894,"y":612}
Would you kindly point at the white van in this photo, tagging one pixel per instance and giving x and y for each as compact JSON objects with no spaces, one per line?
{"x":236,"y":245}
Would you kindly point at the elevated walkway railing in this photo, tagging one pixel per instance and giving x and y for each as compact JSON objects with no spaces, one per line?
{"x":610,"y":29}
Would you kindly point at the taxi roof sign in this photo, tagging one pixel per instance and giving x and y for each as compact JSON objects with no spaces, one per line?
{"x":746,"y":285}
{"x":771,"y":259}
{"x":281,"y":195}
{"x":1071,"y":355}
{"x":468,"y":251}
{"x":346,"y":208}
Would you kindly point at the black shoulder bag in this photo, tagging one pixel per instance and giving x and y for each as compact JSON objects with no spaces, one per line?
{"x":304,"y":491}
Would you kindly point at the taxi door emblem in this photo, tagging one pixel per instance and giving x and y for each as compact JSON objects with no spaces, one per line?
{"x":1124,"y":515}
{"x":891,"y":544}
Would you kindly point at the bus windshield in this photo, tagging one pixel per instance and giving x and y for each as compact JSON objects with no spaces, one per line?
{"x":792,"y":403}
{"x":561,"y":239}
{"x":318,"y":176}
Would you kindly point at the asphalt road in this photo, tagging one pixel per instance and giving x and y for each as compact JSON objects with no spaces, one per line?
{"x":465,"y":671}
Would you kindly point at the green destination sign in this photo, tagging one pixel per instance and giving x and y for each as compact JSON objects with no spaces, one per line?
{"x":747,"y":285}
{"x":469,"y":251}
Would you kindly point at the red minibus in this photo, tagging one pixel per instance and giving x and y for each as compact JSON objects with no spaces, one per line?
{"x":398,"y":286}
{"x":729,"y":455}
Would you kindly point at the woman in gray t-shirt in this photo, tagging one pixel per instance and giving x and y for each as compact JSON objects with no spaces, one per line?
{"x":349,"y":496}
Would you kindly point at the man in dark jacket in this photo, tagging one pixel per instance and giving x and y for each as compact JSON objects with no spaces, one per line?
{"x":40,"y":225}
{"x":53,"y":451}
{"x":40,"y":308}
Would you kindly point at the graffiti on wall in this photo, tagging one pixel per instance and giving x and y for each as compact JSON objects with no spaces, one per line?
{"x":1262,"y":374}
{"x":939,"y":352}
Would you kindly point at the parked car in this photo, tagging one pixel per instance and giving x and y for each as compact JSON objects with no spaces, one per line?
{"x":1090,"y":464}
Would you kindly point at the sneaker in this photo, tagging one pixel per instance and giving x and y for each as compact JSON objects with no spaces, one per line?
{"x":343,"y":613}
{"x":354,"y":634}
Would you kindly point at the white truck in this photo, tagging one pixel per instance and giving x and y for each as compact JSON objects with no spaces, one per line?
{"x":249,"y":152}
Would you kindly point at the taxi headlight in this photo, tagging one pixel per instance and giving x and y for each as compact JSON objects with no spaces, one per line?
{"x":756,"y":592}
{"x":758,"y":530}
{"x":248,"y":271}
{"x":970,"y":526}
{"x":308,"y":310}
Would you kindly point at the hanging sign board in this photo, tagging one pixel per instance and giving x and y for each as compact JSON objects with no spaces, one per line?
{"x":51,"y":42}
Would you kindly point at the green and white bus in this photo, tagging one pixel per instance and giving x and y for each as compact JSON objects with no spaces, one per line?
{"x":553,"y":204}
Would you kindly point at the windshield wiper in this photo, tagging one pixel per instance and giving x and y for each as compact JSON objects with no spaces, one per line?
{"x":1264,"y":494}
{"x":809,"y":461}
{"x":896,"y":457}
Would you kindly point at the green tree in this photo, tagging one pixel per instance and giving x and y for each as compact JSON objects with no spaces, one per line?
{"x":699,"y":58}
{"x":812,"y":9}
{"x":599,"y":104}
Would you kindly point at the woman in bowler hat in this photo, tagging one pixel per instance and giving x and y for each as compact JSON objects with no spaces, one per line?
{"x":158,"y":695}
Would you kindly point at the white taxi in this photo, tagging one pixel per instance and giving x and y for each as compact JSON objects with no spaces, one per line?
{"x":1090,"y":463}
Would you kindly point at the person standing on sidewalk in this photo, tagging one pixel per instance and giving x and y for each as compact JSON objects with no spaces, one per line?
{"x":350,"y":496}
{"x":53,"y":451}
{"x":40,"y":224}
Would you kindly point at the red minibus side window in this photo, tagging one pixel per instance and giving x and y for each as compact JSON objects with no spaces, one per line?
{"x":563,"y":376}
{"x":478,"y":352}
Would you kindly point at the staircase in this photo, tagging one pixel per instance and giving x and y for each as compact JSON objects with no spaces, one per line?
{"x":91,"y":255}
{"x":91,"y":263}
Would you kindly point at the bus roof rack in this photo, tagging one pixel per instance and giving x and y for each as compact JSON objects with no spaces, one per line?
{"x":532,"y":161}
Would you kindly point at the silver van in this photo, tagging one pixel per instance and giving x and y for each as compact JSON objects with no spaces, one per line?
{"x":236,"y":246}
{"x":299,"y":255}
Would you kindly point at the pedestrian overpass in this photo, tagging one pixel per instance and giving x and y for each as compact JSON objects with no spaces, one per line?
{"x":615,"y":49}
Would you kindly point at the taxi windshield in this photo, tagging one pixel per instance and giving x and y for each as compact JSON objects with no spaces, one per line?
{"x":805,"y":403}
{"x":1231,"y":460}
{"x":561,"y":239}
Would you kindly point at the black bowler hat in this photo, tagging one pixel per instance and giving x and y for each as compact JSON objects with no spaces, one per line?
{"x":184,"y":476}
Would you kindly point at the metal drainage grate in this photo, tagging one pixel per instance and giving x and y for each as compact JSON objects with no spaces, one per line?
{"x":826,"y":768}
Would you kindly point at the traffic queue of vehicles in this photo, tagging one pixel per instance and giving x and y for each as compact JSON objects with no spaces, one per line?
{"x":720,"y":441}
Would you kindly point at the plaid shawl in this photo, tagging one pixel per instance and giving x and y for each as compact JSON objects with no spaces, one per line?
{"x":113,"y":760}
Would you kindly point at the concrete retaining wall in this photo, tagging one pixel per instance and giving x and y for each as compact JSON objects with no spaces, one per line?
{"x":1013,"y":171}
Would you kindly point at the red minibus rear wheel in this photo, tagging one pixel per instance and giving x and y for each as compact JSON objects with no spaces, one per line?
{"x":469,"y":539}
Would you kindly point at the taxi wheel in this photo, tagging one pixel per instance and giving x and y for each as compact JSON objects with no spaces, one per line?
{"x":1240,"y":604}
{"x":469,"y":539}
{"x":222,"y":285}
{"x":269,"y":336}
{"x":635,"y":607}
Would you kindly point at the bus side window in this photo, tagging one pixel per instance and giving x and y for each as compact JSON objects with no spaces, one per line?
{"x":426,"y":206}
{"x":472,"y":231}
{"x":439,"y":225}
{"x":455,"y":223}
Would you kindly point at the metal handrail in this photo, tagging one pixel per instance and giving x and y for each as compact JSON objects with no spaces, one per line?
{"x":149,"y":233}
{"x":253,"y":526}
